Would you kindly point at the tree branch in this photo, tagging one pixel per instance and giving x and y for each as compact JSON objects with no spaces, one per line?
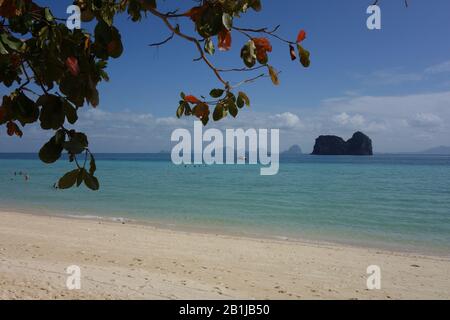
{"x":177,"y":31}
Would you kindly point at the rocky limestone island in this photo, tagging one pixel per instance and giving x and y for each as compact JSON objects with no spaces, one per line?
{"x":358,"y":145}
{"x":294,"y":150}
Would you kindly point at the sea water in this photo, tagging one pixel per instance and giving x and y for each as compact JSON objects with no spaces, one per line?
{"x":399,"y":202}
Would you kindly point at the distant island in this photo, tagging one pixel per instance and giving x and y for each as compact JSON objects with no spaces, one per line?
{"x":441,"y":150}
{"x":358,"y":145}
{"x":293,"y":151}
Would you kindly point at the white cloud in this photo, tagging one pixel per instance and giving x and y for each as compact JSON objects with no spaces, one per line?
{"x":286,"y":120}
{"x":397,"y":76}
{"x":345,"y":119}
{"x":426,"y":120}
{"x":395,"y":123}
{"x":439,"y":68}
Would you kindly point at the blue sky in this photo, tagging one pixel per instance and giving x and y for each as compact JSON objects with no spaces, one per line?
{"x":391,"y":82}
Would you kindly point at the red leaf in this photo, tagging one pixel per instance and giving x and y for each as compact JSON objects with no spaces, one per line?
{"x":72,"y":65}
{"x":191,"y":99}
{"x":262,"y":47}
{"x":195,"y":13}
{"x":8,"y":9}
{"x":292,"y":52}
{"x":224,"y":40}
{"x":301,"y":36}
{"x":262,"y":44}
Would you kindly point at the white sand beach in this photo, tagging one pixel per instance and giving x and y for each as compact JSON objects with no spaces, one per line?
{"x":131,"y":261}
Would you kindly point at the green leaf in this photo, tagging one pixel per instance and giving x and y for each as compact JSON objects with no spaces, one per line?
{"x":248,"y":54}
{"x":92,"y":165}
{"x":219,"y":112}
{"x":52,"y":112}
{"x":205,"y":120}
{"x":187,"y":109}
{"x":60,"y":137}
{"x":77,"y":144}
{"x":240,"y":102}
{"x":68,"y":180}
{"x":51,"y":151}
{"x":12,"y":42}
{"x":304,"y":56}
{"x":48,"y":15}
{"x":70,"y":86}
{"x":181,"y":109}
{"x":25,"y":109}
{"x":70,"y":111}
{"x":3,"y":49}
{"x":210,"y":22}
{"x":244,"y":98}
{"x":80,"y":176}
{"x":90,"y":181}
{"x":230,"y":104}
{"x":227,"y":21}
{"x":209,"y":46}
{"x":216,"y":93}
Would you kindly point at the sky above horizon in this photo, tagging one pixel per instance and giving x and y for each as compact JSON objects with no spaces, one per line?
{"x":392,"y":84}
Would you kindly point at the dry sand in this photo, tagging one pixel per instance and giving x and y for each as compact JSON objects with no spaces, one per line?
{"x":142,"y":262}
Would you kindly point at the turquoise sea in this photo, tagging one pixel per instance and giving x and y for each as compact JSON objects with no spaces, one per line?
{"x":399,"y":202}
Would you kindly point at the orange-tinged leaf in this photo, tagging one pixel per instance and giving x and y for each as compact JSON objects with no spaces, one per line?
{"x":191,"y":99}
{"x":195,"y":13}
{"x":13,"y":129}
{"x":262,"y":56}
{"x":72,"y":65}
{"x":274,"y":75}
{"x":262,"y":47}
{"x":18,"y":132}
{"x":301,"y":36}
{"x":262,"y":44}
{"x":10,"y":128}
{"x":224,"y":40}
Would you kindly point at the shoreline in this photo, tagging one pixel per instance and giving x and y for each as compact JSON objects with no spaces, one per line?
{"x":135,"y":261}
{"x":399,"y":250}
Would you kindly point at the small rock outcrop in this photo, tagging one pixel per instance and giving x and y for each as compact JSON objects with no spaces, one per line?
{"x":358,"y":145}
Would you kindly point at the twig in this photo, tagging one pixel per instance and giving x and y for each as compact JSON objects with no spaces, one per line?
{"x":162,"y":42}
